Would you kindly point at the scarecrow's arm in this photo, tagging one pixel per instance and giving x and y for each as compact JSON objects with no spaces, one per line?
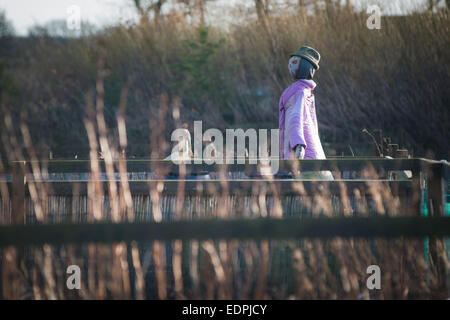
{"x":295,"y":118}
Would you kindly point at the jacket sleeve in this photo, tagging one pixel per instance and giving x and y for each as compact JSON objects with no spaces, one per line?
{"x":281,"y":125}
{"x":295,"y":121}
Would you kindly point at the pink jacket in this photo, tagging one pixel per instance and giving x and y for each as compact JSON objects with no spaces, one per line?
{"x":298,"y":121}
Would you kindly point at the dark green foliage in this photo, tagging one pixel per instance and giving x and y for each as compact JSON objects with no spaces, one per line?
{"x":200,"y":81}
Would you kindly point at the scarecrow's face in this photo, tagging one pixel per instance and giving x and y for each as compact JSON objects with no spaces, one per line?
{"x":293,"y":66}
{"x":300,"y":68}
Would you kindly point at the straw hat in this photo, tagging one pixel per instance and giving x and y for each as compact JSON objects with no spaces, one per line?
{"x":309,"y":54}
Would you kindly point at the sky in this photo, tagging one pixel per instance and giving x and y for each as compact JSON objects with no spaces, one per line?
{"x":25,"y":13}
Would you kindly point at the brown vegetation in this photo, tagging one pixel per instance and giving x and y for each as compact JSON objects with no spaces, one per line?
{"x":393,"y":79}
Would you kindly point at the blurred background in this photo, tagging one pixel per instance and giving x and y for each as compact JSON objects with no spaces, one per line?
{"x":227,"y":63}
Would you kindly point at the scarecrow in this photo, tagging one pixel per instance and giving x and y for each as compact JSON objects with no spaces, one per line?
{"x":299,"y":132}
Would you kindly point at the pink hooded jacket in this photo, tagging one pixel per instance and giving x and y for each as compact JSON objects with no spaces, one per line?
{"x":298,"y":121}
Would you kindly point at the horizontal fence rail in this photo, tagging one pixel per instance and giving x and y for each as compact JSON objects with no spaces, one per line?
{"x":261,"y":228}
{"x":70,"y":166}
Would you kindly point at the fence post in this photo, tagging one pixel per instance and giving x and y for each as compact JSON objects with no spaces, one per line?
{"x":415,"y":205}
{"x":436,"y":204}
{"x":12,"y":257}
{"x":18,"y":193}
{"x":436,"y":189}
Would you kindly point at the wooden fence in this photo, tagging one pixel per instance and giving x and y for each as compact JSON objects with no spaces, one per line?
{"x":426,"y":174}
{"x":424,"y":217}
